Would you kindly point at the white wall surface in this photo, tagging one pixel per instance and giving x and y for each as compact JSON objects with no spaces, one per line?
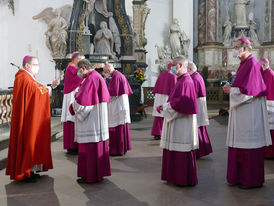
{"x":20,"y":35}
{"x":157,"y":29}
{"x":183,"y":11}
{"x":129,"y":8}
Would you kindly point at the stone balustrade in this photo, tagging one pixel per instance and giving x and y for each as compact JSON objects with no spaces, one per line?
{"x":5,"y":106}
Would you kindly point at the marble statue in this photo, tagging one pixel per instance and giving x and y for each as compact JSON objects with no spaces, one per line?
{"x":160,"y":51}
{"x":103,"y":41}
{"x":115,"y":32}
{"x":145,"y":13}
{"x":240,"y":13}
{"x":164,"y":57}
{"x":101,"y":7}
{"x":175,"y":39}
{"x":135,"y":34}
{"x":212,"y":23}
{"x":227,"y":32}
{"x":91,"y":49}
{"x":56,"y":35}
{"x":179,"y":43}
{"x":252,"y":30}
{"x":88,"y":11}
{"x":10,"y":4}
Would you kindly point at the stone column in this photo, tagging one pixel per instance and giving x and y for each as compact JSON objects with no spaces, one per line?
{"x":268,"y":44}
{"x":201,"y":22}
{"x":210,"y":49}
{"x":140,"y":13}
{"x":271,"y":11}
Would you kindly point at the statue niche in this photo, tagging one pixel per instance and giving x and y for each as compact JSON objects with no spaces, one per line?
{"x":88,"y":33}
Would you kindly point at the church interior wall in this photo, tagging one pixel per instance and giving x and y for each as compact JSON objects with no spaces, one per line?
{"x":257,"y":7}
{"x":20,"y":35}
{"x":157,"y":27}
{"x":157,"y":30}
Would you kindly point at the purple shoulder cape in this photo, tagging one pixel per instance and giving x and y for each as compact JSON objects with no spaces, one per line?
{"x":93,"y":90}
{"x":199,"y":84}
{"x":165,"y":83}
{"x":119,"y":85}
{"x":183,"y":98}
{"x":249,"y":78}
{"x":269,"y":81}
{"x":72,"y":81}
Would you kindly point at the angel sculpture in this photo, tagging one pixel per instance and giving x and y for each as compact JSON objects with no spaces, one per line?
{"x":56,"y":35}
{"x":115,"y":32}
{"x":160,"y":51}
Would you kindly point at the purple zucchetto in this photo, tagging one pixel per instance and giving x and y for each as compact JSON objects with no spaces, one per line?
{"x":245,"y":40}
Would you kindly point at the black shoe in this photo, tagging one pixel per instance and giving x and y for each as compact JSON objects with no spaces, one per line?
{"x":29,"y":180}
{"x":248,"y":187}
{"x":72,"y":151}
{"x":34,"y":175}
{"x":157,"y":137}
{"x":81,"y":181}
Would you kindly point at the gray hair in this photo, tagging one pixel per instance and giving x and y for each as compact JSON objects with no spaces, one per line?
{"x":181,"y":60}
{"x":109,"y":65}
{"x":192,"y":66}
{"x":84,"y":62}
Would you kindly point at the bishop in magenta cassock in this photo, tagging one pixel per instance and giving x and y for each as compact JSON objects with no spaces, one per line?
{"x":71,"y":84}
{"x":268,"y":74}
{"x":91,"y":124}
{"x":30,"y":133}
{"x":248,"y":130}
{"x":162,"y":89}
{"x":202,"y":118}
{"x":179,"y":138}
{"x":118,"y":111}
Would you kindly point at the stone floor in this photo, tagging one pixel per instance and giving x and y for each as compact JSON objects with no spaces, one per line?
{"x":136,"y":179}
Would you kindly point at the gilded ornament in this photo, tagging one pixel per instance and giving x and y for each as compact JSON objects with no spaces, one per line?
{"x":127,"y":41}
{"x":121,"y":20}
{"x":124,"y":30}
{"x":127,"y":69}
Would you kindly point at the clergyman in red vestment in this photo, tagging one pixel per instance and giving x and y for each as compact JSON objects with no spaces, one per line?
{"x":30,"y":132}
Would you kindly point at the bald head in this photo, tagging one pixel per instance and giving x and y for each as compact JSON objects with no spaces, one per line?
{"x":265,"y":63}
{"x":108,"y":68}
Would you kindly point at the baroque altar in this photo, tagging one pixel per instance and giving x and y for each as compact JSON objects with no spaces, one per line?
{"x":102,"y":31}
{"x":221,"y":23}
